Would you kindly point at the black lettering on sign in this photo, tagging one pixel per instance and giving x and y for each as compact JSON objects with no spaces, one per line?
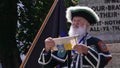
{"x":113,"y":7}
{"x":106,"y":28}
{"x":98,"y":8}
{"x":116,"y":28}
{"x":117,"y":22}
{"x":112,"y":1}
{"x":112,"y":22}
{"x":108,"y":22}
{"x":108,"y":14}
{"x":99,"y":23}
{"x":97,"y":29}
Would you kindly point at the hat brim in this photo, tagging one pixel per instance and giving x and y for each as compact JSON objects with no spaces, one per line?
{"x":82,"y":11}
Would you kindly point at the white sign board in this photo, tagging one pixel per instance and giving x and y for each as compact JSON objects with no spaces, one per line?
{"x":108,"y":29}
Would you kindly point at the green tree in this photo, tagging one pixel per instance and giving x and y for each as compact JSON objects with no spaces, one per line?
{"x":30,"y":20}
{"x":31,"y":14}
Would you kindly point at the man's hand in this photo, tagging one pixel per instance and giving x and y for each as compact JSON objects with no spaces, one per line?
{"x":81,"y":48}
{"x":49,"y":43}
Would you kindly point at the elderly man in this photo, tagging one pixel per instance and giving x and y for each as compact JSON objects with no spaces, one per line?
{"x":90,"y":52}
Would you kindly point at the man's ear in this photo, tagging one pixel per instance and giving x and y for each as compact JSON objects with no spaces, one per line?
{"x":88,"y":27}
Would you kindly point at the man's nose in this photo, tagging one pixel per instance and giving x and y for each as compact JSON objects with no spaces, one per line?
{"x":75,"y":24}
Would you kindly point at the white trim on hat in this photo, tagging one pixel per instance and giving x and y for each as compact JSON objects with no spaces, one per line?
{"x":74,"y":8}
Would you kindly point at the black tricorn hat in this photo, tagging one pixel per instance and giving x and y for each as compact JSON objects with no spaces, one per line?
{"x":82,"y":11}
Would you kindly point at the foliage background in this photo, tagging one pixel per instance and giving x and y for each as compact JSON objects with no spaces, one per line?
{"x":31,"y":14}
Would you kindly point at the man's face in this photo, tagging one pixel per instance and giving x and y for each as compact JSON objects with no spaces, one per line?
{"x":79,"y":22}
{"x":79,"y":26}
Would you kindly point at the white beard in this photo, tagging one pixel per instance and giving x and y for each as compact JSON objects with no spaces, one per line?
{"x":77,"y":31}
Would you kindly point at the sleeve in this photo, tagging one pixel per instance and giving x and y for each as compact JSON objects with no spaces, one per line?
{"x":100,"y":57}
{"x":44,"y":58}
{"x":52,"y":58}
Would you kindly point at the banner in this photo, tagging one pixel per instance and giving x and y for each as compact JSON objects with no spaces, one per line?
{"x":53,"y":26}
